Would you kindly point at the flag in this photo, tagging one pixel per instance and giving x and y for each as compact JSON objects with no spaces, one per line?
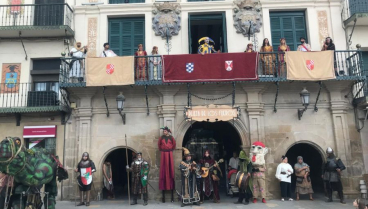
{"x":210,"y":67}
{"x":110,"y":71}
{"x":86,"y":175}
{"x":311,"y":66}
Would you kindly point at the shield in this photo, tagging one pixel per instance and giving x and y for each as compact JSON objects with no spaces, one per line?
{"x":241,"y":180}
{"x":310,"y":64}
{"x":144,"y":174}
{"x":229,"y":65}
{"x":110,"y":69}
{"x":189,"y":67}
{"x":86,"y":175}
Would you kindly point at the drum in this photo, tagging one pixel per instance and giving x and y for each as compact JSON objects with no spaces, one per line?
{"x":241,"y":180}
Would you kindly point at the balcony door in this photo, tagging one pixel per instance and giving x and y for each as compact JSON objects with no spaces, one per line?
{"x":211,"y":25}
{"x":49,"y":13}
{"x":125,"y":34}
{"x":288,"y":25}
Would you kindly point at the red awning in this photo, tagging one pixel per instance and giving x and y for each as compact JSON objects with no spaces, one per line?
{"x":39,"y":131}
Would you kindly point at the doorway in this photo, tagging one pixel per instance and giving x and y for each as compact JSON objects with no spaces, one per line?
{"x":118,"y":160}
{"x":221,"y":138}
{"x":313,"y":158}
{"x":211,"y":25}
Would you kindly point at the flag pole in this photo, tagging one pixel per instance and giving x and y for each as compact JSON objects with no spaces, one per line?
{"x":126,"y":155}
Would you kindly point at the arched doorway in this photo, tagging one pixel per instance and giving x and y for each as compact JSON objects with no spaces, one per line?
{"x":117,"y":159}
{"x":221,"y":138}
{"x":313,"y":157}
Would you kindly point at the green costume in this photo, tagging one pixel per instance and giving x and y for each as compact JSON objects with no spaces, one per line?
{"x":245,"y":166}
{"x":31,"y":170}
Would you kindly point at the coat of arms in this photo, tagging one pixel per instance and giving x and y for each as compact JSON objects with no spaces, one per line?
{"x":247,"y":17}
{"x":310,"y":64}
{"x":166,"y":21}
{"x":229,"y":65}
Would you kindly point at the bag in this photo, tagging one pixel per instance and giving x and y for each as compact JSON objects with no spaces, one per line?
{"x":215,"y":178}
{"x":299,"y":180}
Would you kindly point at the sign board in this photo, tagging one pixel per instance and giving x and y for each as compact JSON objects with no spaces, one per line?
{"x":39,"y":131}
{"x":212,"y":113}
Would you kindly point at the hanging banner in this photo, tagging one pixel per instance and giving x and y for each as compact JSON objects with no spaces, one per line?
{"x":210,"y":67}
{"x":10,"y":77}
{"x":39,"y":131}
{"x":212,"y":113}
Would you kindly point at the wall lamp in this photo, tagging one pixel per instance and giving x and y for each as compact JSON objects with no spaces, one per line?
{"x":120,"y":99}
{"x":304,"y":94}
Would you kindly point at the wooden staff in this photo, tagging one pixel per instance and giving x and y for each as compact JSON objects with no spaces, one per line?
{"x":126,"y":154}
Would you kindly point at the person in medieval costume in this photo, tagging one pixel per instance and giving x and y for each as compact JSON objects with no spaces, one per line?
{"x":166,"y":145}
{"x":249,"y":48}
{"x":140,"y":169}
{"x":257,"y":155}
{"x":189,"y":170}
{"x":245,"y":168}
{"x":76,"y":68}
{"x":304,"y":47}
{"x":331,"y":174}
{"x":109,"y":186}
{"x":140,"y":63}
{"x":85,"y":167}
{"x":303,"y":180}
{"x":210,"y":183}
{"x":206,"y":47}
{"x":107,"y":52}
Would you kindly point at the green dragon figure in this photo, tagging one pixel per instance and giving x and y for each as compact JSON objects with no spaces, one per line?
{"x":31,"y":168}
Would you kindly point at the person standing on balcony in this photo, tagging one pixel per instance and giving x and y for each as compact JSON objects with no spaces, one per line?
{"x":155,"y":65}
{"x":249,"y":48}
{"x":206,"y":48}
{"x":77,"y":65}
{"x":282,"y":64}
{"x":329,"y":45}
{"x":304,"y":47}
{"x":140,"y":63}
{"x":267,"y":58}
{"x":107,"y":52}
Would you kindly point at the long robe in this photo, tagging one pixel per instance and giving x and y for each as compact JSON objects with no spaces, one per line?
{"x":166,"y":144}
{"x":189,"y":191}
{"x":208,"y":184}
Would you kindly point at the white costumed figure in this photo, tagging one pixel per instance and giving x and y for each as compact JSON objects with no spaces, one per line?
{"x":257,"y":155}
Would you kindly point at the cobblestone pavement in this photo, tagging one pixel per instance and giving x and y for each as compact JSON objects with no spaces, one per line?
{"x":225,"y":204}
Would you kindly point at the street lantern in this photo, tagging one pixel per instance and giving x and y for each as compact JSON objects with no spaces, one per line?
{"x":120,"y":100}
{"x":304,"y":95}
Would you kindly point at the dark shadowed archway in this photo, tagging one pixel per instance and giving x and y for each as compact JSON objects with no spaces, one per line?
{"x":313,"y":158}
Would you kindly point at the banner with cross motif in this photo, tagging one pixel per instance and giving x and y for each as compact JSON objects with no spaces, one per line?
{"x":210,"y":67}
{"x":110,"y":71}
{"x":310,"y":66}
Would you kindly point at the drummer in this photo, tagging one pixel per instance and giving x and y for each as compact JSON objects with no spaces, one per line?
{"x":245,"y":166}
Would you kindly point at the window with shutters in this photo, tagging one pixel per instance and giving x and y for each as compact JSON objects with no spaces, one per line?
{"x":288,"y":25}
{"x":125,"y":34}
{"x":49,"y":12}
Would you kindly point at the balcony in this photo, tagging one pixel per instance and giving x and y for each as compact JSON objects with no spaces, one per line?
{"x":36,"y":20}
{"x":349,"y":65}
{"x":22,"y":98}
{"x":355,"y":10}
{"x":125,"y":1}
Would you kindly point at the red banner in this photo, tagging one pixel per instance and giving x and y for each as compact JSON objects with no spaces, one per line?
{"x":39,"y":131}
{"x":210,"y":67}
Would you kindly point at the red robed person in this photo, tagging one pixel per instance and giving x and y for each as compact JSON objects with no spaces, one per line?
{"x":166,"y":145}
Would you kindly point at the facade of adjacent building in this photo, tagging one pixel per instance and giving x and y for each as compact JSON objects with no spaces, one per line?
{"x":37,"y":36}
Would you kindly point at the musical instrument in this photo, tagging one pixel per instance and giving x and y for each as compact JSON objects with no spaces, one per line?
{"x":241,"y":180}
{"x":189,"y":167}
{"x":205,"y":170}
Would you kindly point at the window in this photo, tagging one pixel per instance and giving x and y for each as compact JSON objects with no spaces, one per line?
{"x":46,"y":86}
{"x":47,"y":143}
{"x":125,"y":1}
{"x":49,"y":12}
{"x":125,"y":34}
{"x":288,"y":25}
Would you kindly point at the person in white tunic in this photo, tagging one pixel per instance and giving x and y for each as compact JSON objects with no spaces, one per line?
{"x":234,"y":161}
{"x":107,"y":52}
{"x":76,"y":72}
{"x":283,"y":174}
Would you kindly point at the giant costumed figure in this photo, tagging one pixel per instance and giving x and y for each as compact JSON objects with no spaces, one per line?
{"x":85,"y":167}
{"x":189,"y":170}
{"x":257,"y":155}
{"x":140,"y":169}
{"x":31,"y":170}
{"x":166,"y":145}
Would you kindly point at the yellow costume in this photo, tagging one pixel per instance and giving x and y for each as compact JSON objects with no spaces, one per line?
{"x":206,"y":48}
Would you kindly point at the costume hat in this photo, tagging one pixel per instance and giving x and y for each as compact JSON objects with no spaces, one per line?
{"x":186,"y":152}
{"x":204,"y":38}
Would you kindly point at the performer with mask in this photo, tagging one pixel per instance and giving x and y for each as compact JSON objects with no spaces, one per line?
{"x":166,"y":145}
{"x":140,"y":169}
{"x":85,"y":167}
{"x":245,"y":166}
{"x":331,"y":174}
{"x":189,"y":170}
{"x":304,"y":47}
{"x":303,"y":181}
{"x":206,"y":48}
{"x":257,"y":154}
{"x":210,"y":182}
{"x":107,"y":52}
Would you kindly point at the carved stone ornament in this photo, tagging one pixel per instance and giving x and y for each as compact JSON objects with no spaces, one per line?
{"x":247,"y":17}
{"x":166,"y":21}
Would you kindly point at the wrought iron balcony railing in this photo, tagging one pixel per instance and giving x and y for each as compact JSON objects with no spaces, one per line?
{"x":125,"y":1}
{"x":22,"y":97}
{"x":44,"y":15}
{"x":271,"y":68}
{"x":352,"y":7}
